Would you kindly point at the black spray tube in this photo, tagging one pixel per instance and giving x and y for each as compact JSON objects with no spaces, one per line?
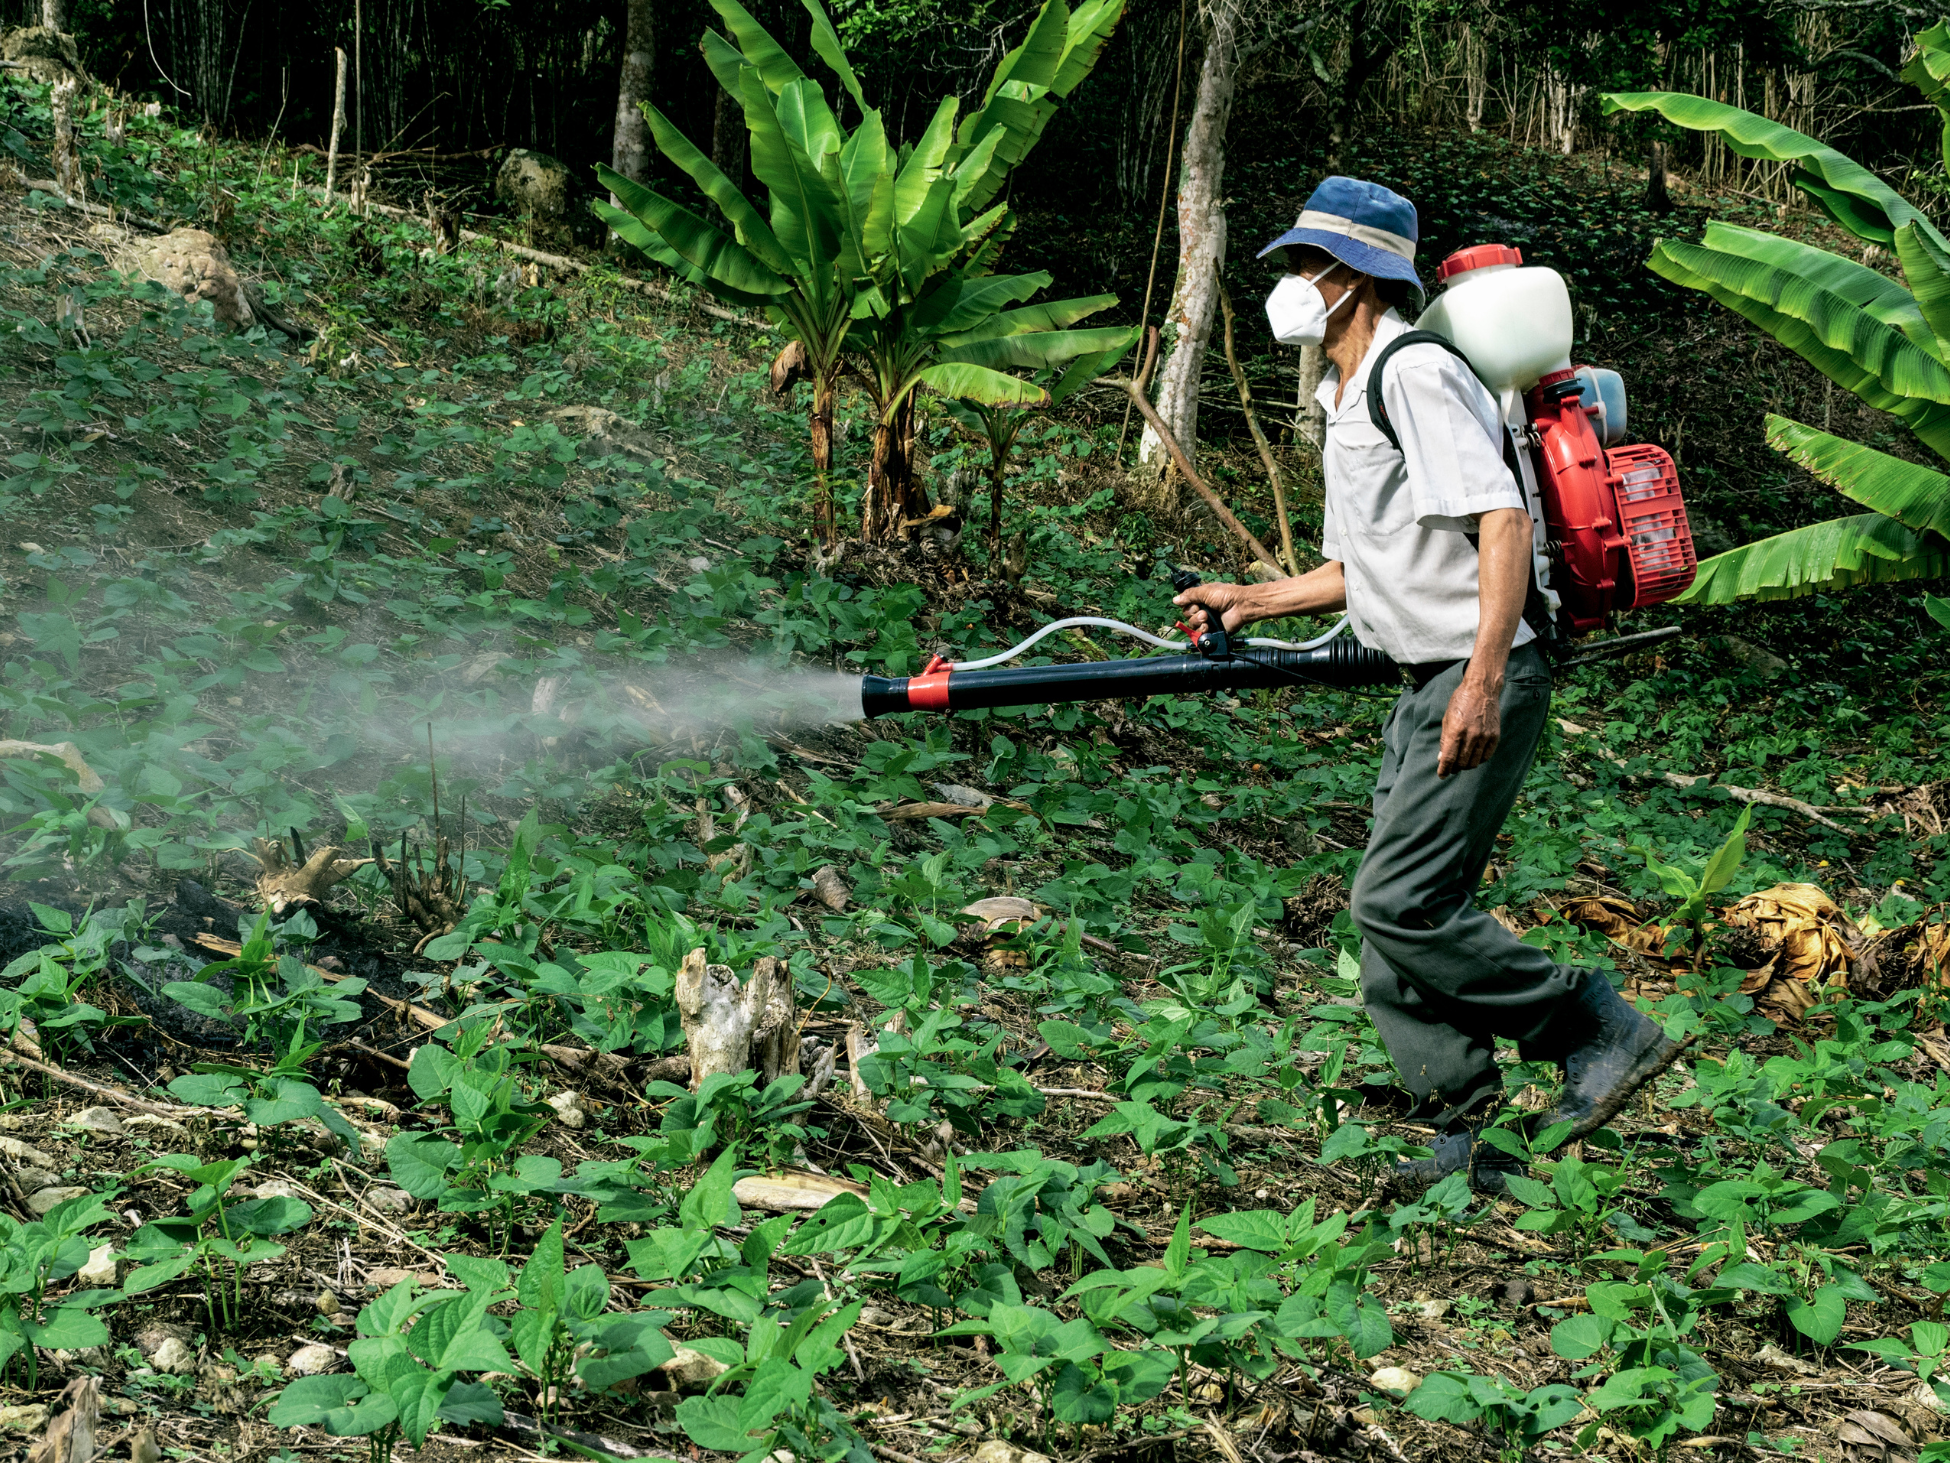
{"x":1341,"y":663}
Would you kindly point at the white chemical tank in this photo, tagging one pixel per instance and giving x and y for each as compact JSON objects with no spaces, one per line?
{"x":1512,"y":321}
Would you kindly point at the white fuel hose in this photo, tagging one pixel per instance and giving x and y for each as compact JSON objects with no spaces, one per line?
{"x":1132,"y":630}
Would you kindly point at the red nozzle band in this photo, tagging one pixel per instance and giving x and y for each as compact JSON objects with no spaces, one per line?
{"x":929,"y":690}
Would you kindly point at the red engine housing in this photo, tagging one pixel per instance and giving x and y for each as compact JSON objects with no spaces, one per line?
{"x":1615,"y":521}
{"x":1614,"y":517}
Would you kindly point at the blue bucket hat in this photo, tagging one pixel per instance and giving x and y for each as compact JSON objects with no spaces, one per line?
{"x":1364,"y":225}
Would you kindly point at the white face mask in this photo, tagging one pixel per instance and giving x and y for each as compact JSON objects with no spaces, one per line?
{"x":1298,"y":311}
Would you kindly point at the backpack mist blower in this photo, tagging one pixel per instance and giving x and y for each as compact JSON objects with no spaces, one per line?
{"x":1609,"y":526}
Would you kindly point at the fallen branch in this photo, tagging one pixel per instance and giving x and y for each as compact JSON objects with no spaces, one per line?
{"x":100,"y":1089}
{"x":1136,"y":391}
{"x":1763,"y":797}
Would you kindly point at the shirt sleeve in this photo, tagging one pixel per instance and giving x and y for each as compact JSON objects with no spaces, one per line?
{"x":1448,"y":424}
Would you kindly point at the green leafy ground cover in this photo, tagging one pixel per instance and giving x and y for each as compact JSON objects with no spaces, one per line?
{"x":1117,"y":1172}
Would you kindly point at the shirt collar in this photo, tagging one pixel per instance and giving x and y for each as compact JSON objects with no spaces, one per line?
{"x":1386,"y":329}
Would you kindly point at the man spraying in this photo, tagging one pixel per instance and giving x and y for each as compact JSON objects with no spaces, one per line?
{"x":1428,"y":546}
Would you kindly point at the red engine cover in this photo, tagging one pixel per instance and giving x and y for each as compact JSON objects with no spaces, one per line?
{"x":1616,"y":516}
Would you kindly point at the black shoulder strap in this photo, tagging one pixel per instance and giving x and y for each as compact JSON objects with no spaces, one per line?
{"x":1377,"y":408}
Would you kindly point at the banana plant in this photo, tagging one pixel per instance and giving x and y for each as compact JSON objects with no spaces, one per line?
{"x":1887,"y":343}
{"x":876,"y":257}
{"x":997,"y":427}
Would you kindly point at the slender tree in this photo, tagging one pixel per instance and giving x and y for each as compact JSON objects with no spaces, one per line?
{"x":630,"y":150}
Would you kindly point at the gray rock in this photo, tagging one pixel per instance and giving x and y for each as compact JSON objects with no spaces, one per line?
{"x":534,"y":183}
{"x":100,"y":1272}
{"x":41,"y":1202}
{"x":1756,"y":658}
{"x":311,"y":1361}
{"x":98,"y":1120}
{"x":31,"y":1179}
{"x":173,"y":1356}
{"x":692,"y":1371}
{"x":388,"y":1201}
{"x":29,"y":1417}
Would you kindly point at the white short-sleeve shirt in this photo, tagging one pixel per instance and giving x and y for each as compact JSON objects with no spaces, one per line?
{"x":1398,"y":521}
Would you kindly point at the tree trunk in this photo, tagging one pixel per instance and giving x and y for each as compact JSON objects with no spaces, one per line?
{"x":630,"y":148}
{"x":894,"y":496}
{"x":728,"y":138}
{"x":54,"y":15}
{"x":1657,"y":200}
{"x":1311,"y":419}
{"x":1201,"y":234}
{"x":1367,"y":53}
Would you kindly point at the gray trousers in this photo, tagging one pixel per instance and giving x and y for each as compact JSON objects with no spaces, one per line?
{"x":1440,"y":978}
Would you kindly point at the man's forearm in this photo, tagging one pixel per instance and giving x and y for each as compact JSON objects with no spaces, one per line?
{"x":1503,"y":583}
{"x":1318,"y":591}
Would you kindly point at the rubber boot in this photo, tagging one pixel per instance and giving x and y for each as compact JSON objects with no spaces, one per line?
{"x":1609,"y":1051}
{"x":1456,"y":1151}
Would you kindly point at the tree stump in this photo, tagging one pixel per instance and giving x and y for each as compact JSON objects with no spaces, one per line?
{"x":732,"y":1028}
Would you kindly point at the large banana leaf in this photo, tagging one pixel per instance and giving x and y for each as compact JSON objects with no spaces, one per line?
{"x":1035,"y":61}
{"x":1917,"y":497}
{"x":1051,"y":315}
{"x":1929,"y":71}
{"x":960,"y":301}
{"x":1903,"y":368}
{"x":826,"y":44}
{"x":1087,"y":368}
{"x":805,"y":118}
{"x":757,"y":47}
{"x":1038,"y":348}
{"x":721,"y":258}
{"x":1091,"y":25}
{"x":924,"y":164}
{"x":1858,"y":284}
{"x":1839,"y":554}
{"x":746,"y":222}
{"x":805,"y":214}
{"x":978,"y":383}
{"x":1929,"y":421}
{"x":1927,"y":268}
{"x":1855,"y":197}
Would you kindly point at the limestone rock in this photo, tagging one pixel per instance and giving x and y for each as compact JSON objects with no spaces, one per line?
{"x":29,"y":1417}
{"x":995,"y":1450}
{"x":42,"y":1201}
{"x":1398,"y":1381}
{"x":45,"y":55}
{"x":23,"y":1153}
{"x":173,"y":1356}
{"x":99,"y":1273}
{"x":568,"y":1109}
{"x":311,"y":1361}
{"x":194,"y":265}
{"x":388,"y":1201}
{"x":692,"y":1371}
{"x":534,"y":183}
{"x":98,"y":1120}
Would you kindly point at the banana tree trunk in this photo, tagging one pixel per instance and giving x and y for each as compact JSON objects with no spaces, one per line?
{"x":822,"y":454}
{"x":894,"y":495}
{"x":1201,"y":234}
